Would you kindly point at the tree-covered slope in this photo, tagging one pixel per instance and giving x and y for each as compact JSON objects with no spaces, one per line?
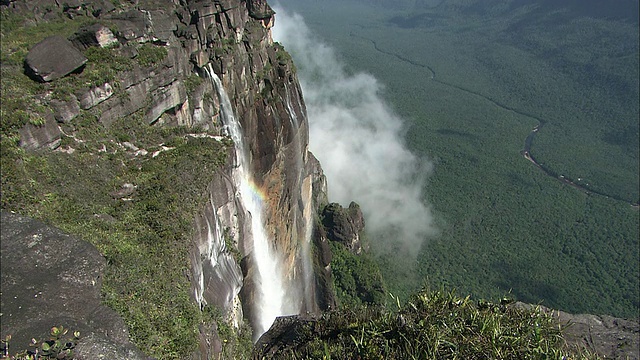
{"x":472,"y":81}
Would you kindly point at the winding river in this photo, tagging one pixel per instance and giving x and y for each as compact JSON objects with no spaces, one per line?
{"x":526,"y":152}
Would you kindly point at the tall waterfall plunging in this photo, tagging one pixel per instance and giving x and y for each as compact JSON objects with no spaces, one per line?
{"x":269,"y":300}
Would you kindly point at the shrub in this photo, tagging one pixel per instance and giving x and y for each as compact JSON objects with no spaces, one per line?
{"x":149,"y":54}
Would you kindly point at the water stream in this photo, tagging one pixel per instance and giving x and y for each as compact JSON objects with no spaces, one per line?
{"x":269,"y":297}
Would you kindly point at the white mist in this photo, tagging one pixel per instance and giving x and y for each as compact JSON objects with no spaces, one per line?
{"x":358,"y":139}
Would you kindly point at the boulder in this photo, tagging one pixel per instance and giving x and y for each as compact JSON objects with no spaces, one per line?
{"x":47,"y":135}
{"x":72,"y":4}
{"x":65,"y":111}
{"x":53,"y":58}
{"x":50,"y":279}
{"x":127,"y":189}
{"x":101,"y":7}
{"x":132,"y":25}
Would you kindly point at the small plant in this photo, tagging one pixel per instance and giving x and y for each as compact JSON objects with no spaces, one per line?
{"x":37,"y":121}
{"x":231,"y":246}
{"x":59,"y":346}
{"x":208,"y":99}
{"x":5,"y":346}
{"x":283,"y":57}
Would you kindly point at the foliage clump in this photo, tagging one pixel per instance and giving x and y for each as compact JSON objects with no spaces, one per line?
{"x":149,"y":54}
{"x":357,"y":278}
{"x":432,"y":325}
{"x":236,"y":341}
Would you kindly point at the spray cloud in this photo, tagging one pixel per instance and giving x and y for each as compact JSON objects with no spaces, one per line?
{"x":359,"y":140}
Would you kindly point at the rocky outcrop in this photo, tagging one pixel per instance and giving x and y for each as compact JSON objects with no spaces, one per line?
{"x":344,"y":225}
{"x":259,"y":9}
{"x":50,"y":279}
{"x":93,"y":35}
{"x":606,"y":336}
{"x":285,"y":332}
{"x":609,"y":337}
{"x":322,"y":264}
{"x":53,"y":58}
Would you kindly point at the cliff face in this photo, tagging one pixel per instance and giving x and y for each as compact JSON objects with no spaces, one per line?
{"x":260,"y":81}
{"x":165,"y":51}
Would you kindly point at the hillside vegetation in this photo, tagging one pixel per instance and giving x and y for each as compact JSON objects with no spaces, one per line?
{"x":473,"y":79}
{"x":431,"y":325}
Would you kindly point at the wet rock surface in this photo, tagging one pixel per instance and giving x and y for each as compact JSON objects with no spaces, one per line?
{"x":50,"y":279}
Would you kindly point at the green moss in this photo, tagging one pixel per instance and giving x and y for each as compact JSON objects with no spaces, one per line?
{"x":283,"y":57}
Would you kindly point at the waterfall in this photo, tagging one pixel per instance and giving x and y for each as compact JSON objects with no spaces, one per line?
{"x":307,"y":261}
{"x":290,"y":110}
{"x":307,"y":286}
{"x":269,"y":297}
